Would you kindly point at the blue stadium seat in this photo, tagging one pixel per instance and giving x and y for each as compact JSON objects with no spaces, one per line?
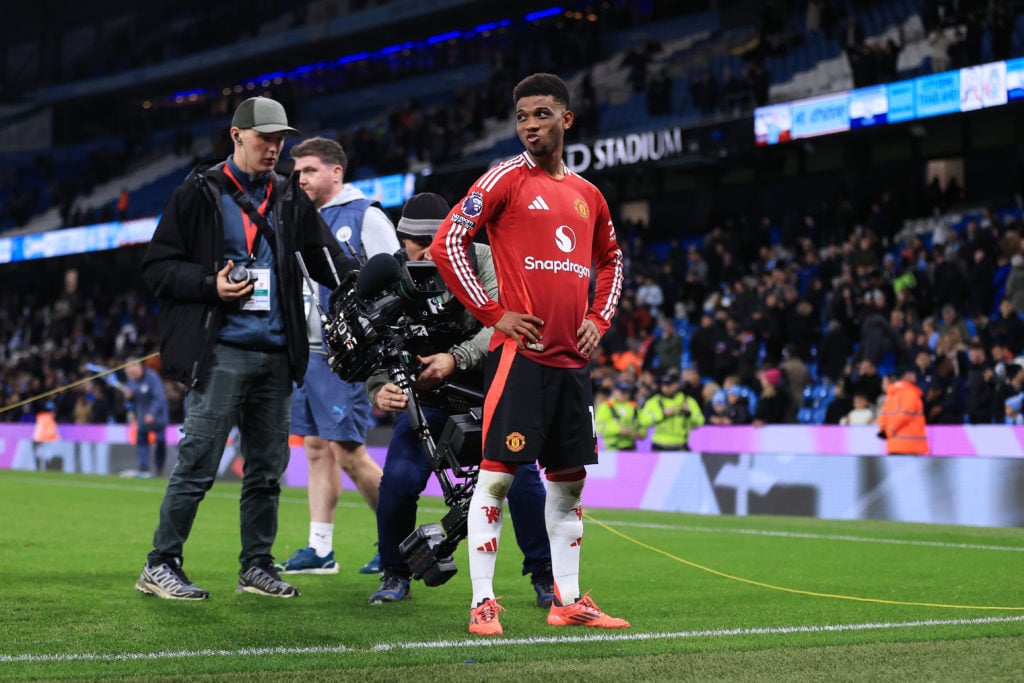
{"x":887,"y":365}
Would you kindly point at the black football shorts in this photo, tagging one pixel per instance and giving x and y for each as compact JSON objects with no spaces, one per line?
{"x":534,"y":412}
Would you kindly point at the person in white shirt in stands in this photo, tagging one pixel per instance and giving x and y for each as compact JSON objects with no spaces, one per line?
{"x":863,"y":412}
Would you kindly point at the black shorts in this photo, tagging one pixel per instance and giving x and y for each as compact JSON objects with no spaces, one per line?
{"x":533,"y":412}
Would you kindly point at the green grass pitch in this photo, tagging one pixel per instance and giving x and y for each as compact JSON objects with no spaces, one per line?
{"x":709,"y":598}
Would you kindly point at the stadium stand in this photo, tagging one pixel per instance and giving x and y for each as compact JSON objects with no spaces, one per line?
{"x":768,"y":275}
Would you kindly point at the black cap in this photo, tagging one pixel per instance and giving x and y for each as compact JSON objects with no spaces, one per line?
{"x":263,"y":115}
{"x":422,"y":215}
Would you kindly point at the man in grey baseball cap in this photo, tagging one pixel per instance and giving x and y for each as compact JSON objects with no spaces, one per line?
{"x":258,"y":129}
{"x":263,"y":115}
{"x":233,"y":330}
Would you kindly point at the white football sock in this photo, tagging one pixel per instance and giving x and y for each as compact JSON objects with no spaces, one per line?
{"x":484,"y":530}
{"x":321,"y":538}
{"x":563,"y":512}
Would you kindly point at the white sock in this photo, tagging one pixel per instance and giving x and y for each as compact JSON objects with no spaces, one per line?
{"x":484,"y":531}
{"x":563,"y":512}
{"x":321,"y":538}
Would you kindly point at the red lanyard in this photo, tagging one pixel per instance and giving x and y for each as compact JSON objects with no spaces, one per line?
{"x":250,"y":227}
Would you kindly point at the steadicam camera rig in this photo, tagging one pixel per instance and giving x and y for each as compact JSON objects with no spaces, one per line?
{"x":380,"y":317}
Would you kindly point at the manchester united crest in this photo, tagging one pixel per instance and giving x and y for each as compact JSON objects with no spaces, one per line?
{"x":581,"y":207}
{"x":515,"y":442}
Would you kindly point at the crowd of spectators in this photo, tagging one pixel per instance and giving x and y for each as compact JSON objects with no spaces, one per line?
{"x":754,"y":320}
{"x":44,"y":182}
{"x":732,"y":93}
{"x":56,"y":332}
{"x":752,"y":316}
{"x":814,"y":320}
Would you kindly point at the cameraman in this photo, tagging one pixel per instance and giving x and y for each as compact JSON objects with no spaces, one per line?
{"x":406,"y":469}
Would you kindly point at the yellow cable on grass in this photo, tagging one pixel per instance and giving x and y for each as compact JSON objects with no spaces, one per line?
{"x":797,"y":591}
{"x":52,"y":392}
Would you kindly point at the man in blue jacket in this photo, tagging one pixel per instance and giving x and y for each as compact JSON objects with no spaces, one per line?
{"x":145,"y":390}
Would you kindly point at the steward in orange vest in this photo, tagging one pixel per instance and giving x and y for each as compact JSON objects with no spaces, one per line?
{"x":901,"y":423}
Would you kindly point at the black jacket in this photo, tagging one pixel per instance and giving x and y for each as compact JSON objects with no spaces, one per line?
{"x":187,"y":251}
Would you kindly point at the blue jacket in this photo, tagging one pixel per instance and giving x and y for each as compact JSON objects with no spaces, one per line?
{"x":148,"y":397}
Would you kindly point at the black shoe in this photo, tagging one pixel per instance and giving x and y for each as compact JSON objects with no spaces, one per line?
{"x":544,"y":585}
{"x":392,"y":589}
{"x":264,"y":581}
{"x":166,"y":580}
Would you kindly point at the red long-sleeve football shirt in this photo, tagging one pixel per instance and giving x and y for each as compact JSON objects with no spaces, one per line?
{"x":547,"y":236}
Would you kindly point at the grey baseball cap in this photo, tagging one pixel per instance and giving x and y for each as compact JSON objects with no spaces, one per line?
{"x":263,"y":115}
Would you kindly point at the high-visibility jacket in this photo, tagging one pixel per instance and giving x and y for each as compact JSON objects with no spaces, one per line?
{"x":671,"y":431}
{"x":902,"y":420}
{"x":618,"y":423}
{"x":46,"y":427}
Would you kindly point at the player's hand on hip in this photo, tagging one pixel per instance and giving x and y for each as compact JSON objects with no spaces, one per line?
{"x":587,"y":337}
{"x":522,"y":327}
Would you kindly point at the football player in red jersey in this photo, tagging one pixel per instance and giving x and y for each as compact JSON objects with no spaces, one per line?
{"x":547,"y":228}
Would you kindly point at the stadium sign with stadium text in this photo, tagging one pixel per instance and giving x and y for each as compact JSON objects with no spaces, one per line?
{"x":624,"y":150}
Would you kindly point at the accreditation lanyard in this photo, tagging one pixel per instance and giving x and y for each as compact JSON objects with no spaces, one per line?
{"x":251,"y":230}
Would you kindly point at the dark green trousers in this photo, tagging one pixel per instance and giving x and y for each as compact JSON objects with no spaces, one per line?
{"x":251,"y":389}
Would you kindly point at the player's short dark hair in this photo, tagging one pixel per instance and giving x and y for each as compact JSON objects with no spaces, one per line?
{"x":329,"y":151}
{"x":542,"y":84}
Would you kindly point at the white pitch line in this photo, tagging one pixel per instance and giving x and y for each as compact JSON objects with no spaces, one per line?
{"x":172,"y":654}
{"x":620,"y":636}
{"x":684,"y":635}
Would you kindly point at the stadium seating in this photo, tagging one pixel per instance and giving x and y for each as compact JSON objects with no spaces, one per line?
{"x":816,"y":398}
{"x":688,"y":45}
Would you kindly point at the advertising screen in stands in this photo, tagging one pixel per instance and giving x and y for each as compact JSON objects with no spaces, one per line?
{"x":390,"y":191}
{"x":1015,"y":79}
{"x":949,"y":92}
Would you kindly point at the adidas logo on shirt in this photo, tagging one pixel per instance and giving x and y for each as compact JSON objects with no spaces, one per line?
{"x":539,"y":204}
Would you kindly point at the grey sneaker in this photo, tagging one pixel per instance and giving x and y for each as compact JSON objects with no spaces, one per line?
{"x":168,"y":581}
{"x":264,"y":581}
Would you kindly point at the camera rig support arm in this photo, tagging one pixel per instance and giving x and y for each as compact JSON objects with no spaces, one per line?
{"x":428,"y":550}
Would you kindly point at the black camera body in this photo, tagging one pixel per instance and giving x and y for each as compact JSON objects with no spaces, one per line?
{"x":241,"y":273}
{"x":386,"y":317}
{"x":380,"y":318}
